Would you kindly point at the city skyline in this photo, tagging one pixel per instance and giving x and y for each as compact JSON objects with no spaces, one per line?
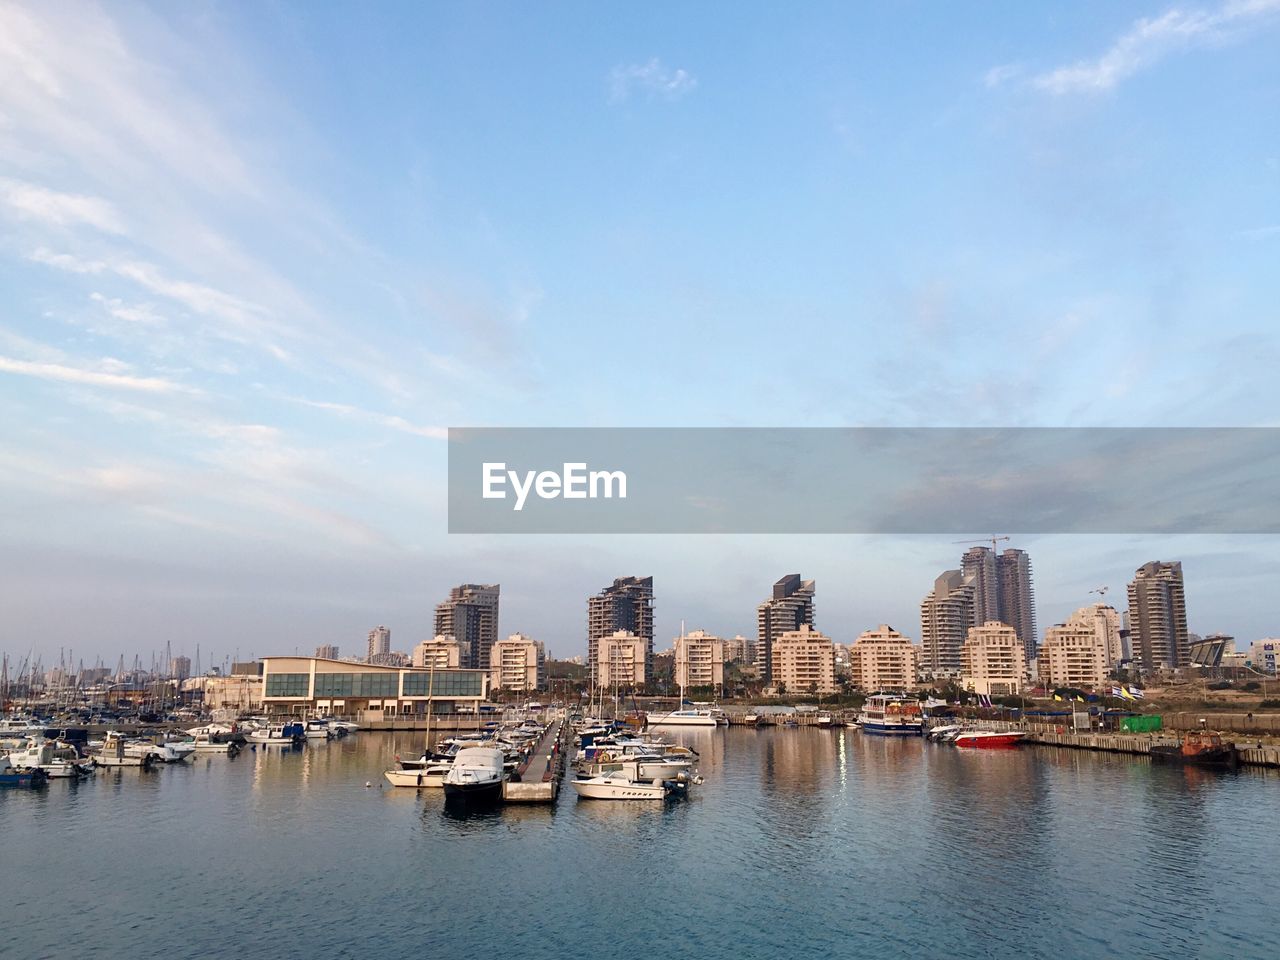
{"x":245,"y":296}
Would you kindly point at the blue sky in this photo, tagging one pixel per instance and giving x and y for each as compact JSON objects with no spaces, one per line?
{"x":256,"y":258}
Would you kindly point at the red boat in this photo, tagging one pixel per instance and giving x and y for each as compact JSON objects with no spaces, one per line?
{"x":989,"y":739}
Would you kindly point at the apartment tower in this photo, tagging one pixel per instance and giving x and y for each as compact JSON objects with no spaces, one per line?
{"x":1158,"y":616}
{"x":470,"y":615}
{"x":787,"y":610}
{"x":627,"y":605}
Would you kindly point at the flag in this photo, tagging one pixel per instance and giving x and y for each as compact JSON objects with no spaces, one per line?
{"x":985,"y":701}
{"x":1136,"y":693}
{"x":1117,"y":692}
{"x":1056,"y":697}
{"x":1126,"y":694}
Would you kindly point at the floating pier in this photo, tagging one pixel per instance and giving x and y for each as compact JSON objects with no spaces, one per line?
{"x":538,"y":778}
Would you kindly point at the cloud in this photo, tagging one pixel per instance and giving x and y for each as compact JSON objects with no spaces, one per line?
{"x":387,"y":420}
{"x":93,"y":378}
{"x":137,"y":313}
{"x":653,"y":78}
{"x":997,"y":76}
{"x":34,"y":202}
{"x":1150,"y":40}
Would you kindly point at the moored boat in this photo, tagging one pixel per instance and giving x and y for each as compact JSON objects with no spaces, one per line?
{"x":890,"y":714}
{"x":430,"y":776}
{"x":1201,"y":748}
{"x":475,"y":776}
{"x":11,"y":776}
{"x":627,"y":784}
{"x":989,"y":739}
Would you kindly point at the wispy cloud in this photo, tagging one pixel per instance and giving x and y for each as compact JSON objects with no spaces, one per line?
{"x":653,"y":78}
{"x":1151,"y":39}
{"x":390,"y":421}
{"x":33,"y":202}
{"x":94,"y":378}
{"x":1002,"y":74}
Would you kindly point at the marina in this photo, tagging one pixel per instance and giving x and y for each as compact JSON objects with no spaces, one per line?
{"x":781,"y":813}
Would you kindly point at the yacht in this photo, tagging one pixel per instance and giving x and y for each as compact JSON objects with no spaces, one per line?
{"x":430,"y":776}
{"x":56,"y":760}
{"x":626,"y":783}
{"x":281,"y":733}
{"x":475,"y":776}
{"x":318,"y":730}
{"x":686,"y":717}
{"x":988,"y":738}
{"x":114,"y":753}
{"x":890,"y":714}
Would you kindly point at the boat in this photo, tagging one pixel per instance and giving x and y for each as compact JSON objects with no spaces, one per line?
{"x":891,"y":714}
{"x":282,"y":733}
{"x":687,"y":717}
{"x":475,"y":776}
{"x":1201,"y":748}
{"x":430,"y":776}
{"x":944,"y":733}
{"x":989,"y":739}
{"x":318,"y":730}
{"x":826,"y":720}
{"x":626,"y":784}
{"x":115,"y":753}
{"x":11,"y":776}
{"x":58,"y":761}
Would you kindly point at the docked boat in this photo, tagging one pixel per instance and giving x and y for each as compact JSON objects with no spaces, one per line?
{"x":1200,"y":748}
{"x":988,"y":739}
{"x":430,"y":776}
{"x":318,"y":730}
{"x":944,"y":733}
{"x":475,"y":776}
{"x":626,"y":784}
{"x":687,"y":717}
{"x":115,"y":753}
{"x":58,"y":761}
{"x":11,"y":776}
{"x":280,"y":733}
{"x":826,"y":720}
{"x":889,"y":714}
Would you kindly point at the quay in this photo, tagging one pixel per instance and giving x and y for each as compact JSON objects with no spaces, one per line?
{"x":538,"y":779}
{"x":1258,"y":754}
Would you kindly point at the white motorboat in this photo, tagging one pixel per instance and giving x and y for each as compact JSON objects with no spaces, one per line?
{"x":430,"y":776}
{"x":278,"y":733}
{"x":56,"y":760}
{"x":475,"y":776}
{"x":114,"y":753}
{"x":318,"y":730}
{"x":625,"y":784}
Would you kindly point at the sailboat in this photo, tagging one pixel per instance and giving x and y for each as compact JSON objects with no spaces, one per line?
{"x":686,"y":716}
{"x":426,"y":772}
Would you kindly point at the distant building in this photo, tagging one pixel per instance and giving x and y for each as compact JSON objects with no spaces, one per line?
{"x":804,"y":662}
{"x":180,"y":668}
{"x":699,"y":660}
{"x":1003,"y":591}
{"x":946,"y":615}
{"x":789,"y":608}
{"x":392,"y":658}
{"x":1073,"y":654}
{"x":1158,"y":617}
{"x":739,"y":649}
{"x":442,"y":652}
{"x":1207,"y":653}
{"x":1263,"y":654}
{"x":304,"y":685}
{"x":379,"y":642}
{"x":329,"y":651}
{"x":518,"y":663}
{"x":471,"y":616}
{"x":993,"y":660}
{"x":626,"y":605}
{"x":883,"y":659}
{"x":238,"y":692}
{"x":623,"y":659}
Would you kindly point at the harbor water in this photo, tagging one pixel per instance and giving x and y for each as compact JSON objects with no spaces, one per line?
{"x":814,"y":843}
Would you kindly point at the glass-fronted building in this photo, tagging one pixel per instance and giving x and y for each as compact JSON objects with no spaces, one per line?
{"x":302,"y":685}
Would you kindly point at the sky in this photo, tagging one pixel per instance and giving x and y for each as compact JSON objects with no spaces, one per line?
{"x":256,"y":259}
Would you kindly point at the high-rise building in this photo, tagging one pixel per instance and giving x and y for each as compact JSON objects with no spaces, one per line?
{"x":379,"y":642}
{"x":329,"y":651}
{"x":699,"y":660}
{"x":1158,"y":616}
{"x":946,"y":615}
{"x":1003,"y":591}
{"x":1104,"y":620}
{"x":883,"y":659}
{"x":804,"y":661}
{"x":1074,"y":654}
{"x":738,"y":649}
{"x":442,"y":652}
{"x":470,"y":615}
{"x":993,"y":660}
{"x":518,"y":663}
{"x":788,"y":609}
{"x":180,"y":668}
{"x":626,"y":605}
{"x":622,"y":659}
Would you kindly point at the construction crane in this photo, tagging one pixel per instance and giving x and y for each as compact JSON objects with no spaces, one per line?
{"x":992,"y":540}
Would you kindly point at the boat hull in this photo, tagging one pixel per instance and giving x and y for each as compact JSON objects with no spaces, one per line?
{"x":616,"y":791}
{"x":686,"y":721}
{"x":999,"y":741}
{"x":885,"y":728}
{"x":422,"y":779}
{"x":1216,"y":757}
{"x":473,"y":794}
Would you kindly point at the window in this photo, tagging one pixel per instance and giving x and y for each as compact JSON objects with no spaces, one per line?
{"x":288,"y":685}
{"x":445,"y":683}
